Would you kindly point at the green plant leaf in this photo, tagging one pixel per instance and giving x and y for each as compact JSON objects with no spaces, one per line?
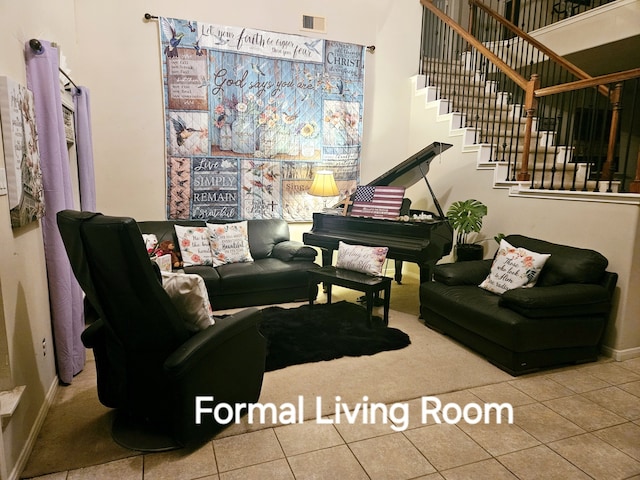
{"x":466,"y":217}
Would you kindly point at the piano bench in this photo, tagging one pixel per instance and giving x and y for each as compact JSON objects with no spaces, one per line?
{"x":361,"y":282}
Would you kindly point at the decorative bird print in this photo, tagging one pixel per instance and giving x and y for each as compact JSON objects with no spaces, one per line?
{"x":182,"y":131}
{"x":220,"y":40}
{"x":204,"y":81}
{"x":256,"y":69}
{"x":311,"y":45}
{"x":196,"y":45}
{"x":169,"y":30}
{"x":340,"y":86}
{"x":191,"y":26}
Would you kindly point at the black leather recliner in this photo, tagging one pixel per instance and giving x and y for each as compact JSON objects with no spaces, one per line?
{"x":562,"y":319}
{"x":150,"y":367}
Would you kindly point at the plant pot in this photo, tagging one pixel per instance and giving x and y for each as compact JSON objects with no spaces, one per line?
{"x":468,"y":251}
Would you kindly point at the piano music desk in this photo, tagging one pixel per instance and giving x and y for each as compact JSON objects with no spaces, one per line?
{"x":361,"y":282}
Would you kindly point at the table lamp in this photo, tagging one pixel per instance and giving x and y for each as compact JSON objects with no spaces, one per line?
{"x":324,"y":185}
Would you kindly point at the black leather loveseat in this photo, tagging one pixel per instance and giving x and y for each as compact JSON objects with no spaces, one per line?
{"x":277,"y":274}
{"x":560,"y":320}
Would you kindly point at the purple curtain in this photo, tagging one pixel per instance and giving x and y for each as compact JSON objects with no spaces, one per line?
{"x":65,"y":295}
{"x":84,"y":149}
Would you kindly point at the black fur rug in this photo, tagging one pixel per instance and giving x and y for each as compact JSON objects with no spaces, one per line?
{"x":324,"y":332}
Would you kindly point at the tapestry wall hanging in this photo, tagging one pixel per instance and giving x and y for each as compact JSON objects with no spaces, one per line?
{"x":251,"y":115}
{"x":21,"y":154}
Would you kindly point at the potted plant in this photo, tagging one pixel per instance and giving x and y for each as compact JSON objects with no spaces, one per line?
{"x":465,"y":217}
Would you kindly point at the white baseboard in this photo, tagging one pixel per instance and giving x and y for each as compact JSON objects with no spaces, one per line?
{"x":35,"y":430}
{"x":621,"y":355}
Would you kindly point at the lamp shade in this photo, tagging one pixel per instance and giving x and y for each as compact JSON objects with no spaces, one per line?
{"x":324,"y":185}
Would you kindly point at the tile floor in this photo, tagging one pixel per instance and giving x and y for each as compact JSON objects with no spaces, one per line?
{"x":575,"y":423}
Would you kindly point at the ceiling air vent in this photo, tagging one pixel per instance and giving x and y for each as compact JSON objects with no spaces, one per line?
{"x":313,"y":24}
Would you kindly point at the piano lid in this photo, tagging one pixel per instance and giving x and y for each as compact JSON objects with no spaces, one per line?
{"x":412,"y":169}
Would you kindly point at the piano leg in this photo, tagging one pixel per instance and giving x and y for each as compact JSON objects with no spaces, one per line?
{"x":398,"y":275}
{"x":327,"y":257}
{"x":426,"y":272}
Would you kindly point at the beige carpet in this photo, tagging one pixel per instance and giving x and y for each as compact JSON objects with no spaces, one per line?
{"x":76,"y":431}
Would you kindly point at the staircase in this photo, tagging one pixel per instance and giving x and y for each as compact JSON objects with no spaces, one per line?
{"x":494,"y":127}
{"x":540,"y":122}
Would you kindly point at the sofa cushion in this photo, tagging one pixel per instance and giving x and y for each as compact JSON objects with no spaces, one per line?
{"x":292,"y":250}
{"x":210,"y":277}
{"x":462,"y":273}
{"x":513,"y":267}
{"x":566,"y":264}
{"x":479,"y":311}
{"x":565,"y":300}
{"x":229,"y":243}
{"x":262,"y":274}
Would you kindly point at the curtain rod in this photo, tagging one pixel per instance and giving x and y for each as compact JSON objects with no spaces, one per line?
{"x":36,"y":46}
{"x":148,"y":16}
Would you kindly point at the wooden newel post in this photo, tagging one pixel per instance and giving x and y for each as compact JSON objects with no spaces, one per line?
{"x":530,"y":105}
{"x":607,"y":170}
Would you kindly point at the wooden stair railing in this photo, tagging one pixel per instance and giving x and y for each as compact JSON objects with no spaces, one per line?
{"x":614,"y":97}
{"x":531,"y":87}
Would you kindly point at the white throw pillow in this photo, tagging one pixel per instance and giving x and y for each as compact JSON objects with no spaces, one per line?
{"x":188,"y":293}
{"x":194,"y":245}
{"x":229,"y":243}
{"x":360,"y":258}
{"x":513,"y":267}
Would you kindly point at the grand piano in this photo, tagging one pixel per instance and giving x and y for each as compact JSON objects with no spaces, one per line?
{"x":422,"y":242}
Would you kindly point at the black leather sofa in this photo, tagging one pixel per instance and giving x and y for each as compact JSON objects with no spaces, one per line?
{"x":278,"y":273}
{"x":560,"y":320}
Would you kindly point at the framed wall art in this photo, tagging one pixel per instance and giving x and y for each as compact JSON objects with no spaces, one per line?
{"x":21,"y":155}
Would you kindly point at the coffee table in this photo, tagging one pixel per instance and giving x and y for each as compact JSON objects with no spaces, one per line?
{"x":361,"y":282}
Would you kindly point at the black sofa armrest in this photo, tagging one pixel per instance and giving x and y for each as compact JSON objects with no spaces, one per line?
{"x":293,"y":250}
{"x":462,"y":273}
{"x":570,"y":299}
{"x":199,"y":347}
{"x":225,"y":360}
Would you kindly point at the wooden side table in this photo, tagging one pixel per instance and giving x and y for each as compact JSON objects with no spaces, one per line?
{"x":360,"y":282}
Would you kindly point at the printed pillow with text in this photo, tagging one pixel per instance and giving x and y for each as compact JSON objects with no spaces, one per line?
{"x":229,"y":243}
{"x":360,"y":258}
{"x":513,"y":267}
{"x":194,"y":245}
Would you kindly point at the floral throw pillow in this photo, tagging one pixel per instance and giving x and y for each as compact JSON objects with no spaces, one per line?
{"x":229,"y":243}
{"x":360,"y":258}
{"x":513,"y":267}
{"x":194,"y":245}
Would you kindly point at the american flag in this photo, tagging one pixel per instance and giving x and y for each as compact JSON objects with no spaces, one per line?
{"x":377,"y":202}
